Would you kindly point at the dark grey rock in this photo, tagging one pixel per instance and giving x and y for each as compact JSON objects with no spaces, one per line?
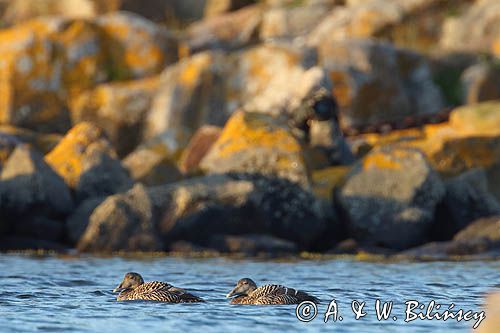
{"x":467,"y":199}
{"x":104,"y":175}
{"x":25,"y":243}
{"x":28,"y":186}
{"x":389,"y":198}
{"x":240,"y":204}
{"x":78,"y":221}
{"x":39,"y":227}
{"x":122,"y":222}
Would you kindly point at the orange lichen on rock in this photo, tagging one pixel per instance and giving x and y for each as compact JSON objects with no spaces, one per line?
{"x":245,"y":130}
{"x":67,"y":157}
{"x":256,"y":142}
{"x":382,"y":160}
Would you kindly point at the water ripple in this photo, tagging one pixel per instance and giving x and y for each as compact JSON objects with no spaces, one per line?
{"x":50,"y":295}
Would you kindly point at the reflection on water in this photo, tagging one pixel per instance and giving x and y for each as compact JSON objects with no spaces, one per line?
{"x":53,"y":294}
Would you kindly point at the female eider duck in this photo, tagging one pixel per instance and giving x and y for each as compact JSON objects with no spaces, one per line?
{"x":133,"y":288}
{"x":246,"y":292}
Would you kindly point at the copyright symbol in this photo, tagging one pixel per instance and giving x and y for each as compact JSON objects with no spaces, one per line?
{"x":306,"y":311}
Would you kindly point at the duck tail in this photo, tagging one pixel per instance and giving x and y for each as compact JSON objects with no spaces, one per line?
{"x":189,"y":298}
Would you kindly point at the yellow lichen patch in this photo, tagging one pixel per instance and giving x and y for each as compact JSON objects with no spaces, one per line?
{"x":66,"y":158}
{"x":397,"y":136}
{"x":381,"y":160}
{"x":326,"y":180}
{"x":247,"y":130}
{"x":257,"y":143}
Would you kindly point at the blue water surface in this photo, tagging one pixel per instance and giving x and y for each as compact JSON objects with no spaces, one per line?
{"x":57,"y":294}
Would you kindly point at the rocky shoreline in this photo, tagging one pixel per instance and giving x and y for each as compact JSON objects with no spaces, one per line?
{"x":324,"y":134}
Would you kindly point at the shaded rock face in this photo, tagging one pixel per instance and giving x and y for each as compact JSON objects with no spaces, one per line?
{"x":86,"y":161}
{"x":360,"y":70}
{"x":389,"y":198}
{"x":257,"y":143}
{"x":28,"y":186}
{"x":32,"y":197}
{"x":467,"y":199}
{"x":239,"y":204}
{"x":122,"y":222}
{"x":77,"y":222}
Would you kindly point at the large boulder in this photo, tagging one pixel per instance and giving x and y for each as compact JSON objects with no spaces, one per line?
{"x":30,"y":187}
{"x":389,"y":198}
{"x":77,"y":222}
{"x":257,"y":143}
{"x":118,"y":108}
{"x":471,"y":139}
{"x":359,"y":70}
{"x":122,"y":222}
{"x":467,"y":199}
{"x":86,"y":161}
{"x":191,"y":94}
{"x":241,"y":204}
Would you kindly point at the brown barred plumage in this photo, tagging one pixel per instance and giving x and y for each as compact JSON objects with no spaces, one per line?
{"x":248,"y":293}
{"x":134,"y":288}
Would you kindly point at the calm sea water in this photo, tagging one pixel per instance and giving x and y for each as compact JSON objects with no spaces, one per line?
{"x":53,"y":294}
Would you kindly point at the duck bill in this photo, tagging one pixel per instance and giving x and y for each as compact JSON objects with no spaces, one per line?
{"x":234,"y":292}
{"x":118,"y":288}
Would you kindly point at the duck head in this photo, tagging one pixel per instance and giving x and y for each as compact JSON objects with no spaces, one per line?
{"x":131,"y":280}
{"x":243,"y":287}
